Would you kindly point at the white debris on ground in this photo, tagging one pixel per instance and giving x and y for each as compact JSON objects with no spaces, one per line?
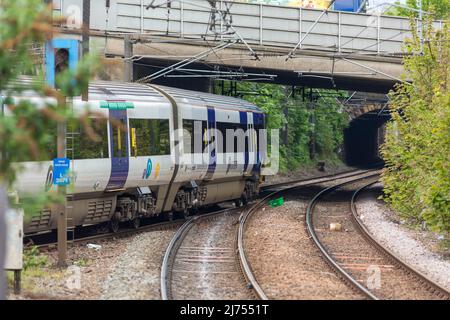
{"x":401,"y":240}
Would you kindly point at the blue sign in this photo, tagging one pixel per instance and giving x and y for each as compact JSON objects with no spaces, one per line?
{"x":61,"y":171}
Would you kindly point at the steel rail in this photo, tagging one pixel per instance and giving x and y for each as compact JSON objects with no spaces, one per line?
{"x":177,"y":239}
{"x":173,"y":246}
{"x":362,"y":229}
{"x":125,"y":232}
{"x":344,"y":174}
{"x":327,"y":256}
{"x":245,"y":216}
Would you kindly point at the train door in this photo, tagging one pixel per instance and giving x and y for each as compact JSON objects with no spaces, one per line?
{"x":212,"y":156}
{"x":118,"y":140}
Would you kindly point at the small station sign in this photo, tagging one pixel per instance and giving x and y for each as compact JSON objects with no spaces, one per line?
{"x":61,"y":168}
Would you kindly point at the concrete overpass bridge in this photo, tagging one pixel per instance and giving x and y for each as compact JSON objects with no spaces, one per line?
{"x":194,"y":39}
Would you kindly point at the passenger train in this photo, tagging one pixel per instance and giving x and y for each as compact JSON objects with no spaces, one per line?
{"x":145,"y":163}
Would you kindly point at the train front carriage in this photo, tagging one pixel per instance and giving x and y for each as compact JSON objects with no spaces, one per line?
{"x":163,"y":151}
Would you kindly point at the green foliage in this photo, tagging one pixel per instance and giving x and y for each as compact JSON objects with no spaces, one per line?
{"x":329,"y":129}
{"x":28,"y":131}
{"x":440,"y":8}
{"x":417,"y":147}
{"x":82,"y":262}
{"x":33,"y":259}
{"x":321,"y":120}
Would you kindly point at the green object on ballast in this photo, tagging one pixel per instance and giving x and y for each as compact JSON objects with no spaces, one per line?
{"x":276,"y":202}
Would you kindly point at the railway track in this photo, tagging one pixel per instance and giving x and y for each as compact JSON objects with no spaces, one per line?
{"x":183,"y":258}
{"x":355,"y":255}
{"x":200,"y":260}
{"x":49,"y":242}
{"x":247,"y":215}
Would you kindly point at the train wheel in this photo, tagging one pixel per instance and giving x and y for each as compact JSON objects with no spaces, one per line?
{"x":195,"y":211}
{"x":185,"y":213}
{"x":135,"y":223}
{"x":114,"y":225}
{"x":168,"y":215}
{"x":102,"y":228}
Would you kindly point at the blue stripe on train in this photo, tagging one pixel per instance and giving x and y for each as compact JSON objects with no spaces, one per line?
{"x":212,"y":152}
{"x":258,"y":123}
{"x":119,"y":163}
{"x":243,"y":121}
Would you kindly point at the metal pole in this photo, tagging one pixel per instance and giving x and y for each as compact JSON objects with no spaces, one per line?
{"x":17,"y":276}
{"x":339,"y":31}
{"x":378,"y":33}
{"x":62,"y":190}
{"x":325,"y":11}
{"x":261,"y":24}
{"x":142,"y":16}
{"x":128,"y":50}
{"x":312,"y":121}
{"x":85,"y":38}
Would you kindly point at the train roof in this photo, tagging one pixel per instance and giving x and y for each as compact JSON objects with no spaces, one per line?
{"x":111,"y":90}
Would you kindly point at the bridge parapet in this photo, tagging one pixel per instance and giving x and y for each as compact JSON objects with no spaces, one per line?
{"x":257,"y":24}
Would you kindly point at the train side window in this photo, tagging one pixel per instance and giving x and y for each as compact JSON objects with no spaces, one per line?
{"x":227,"y":131}
{"x":188,"y":135}
{"x":160,"y":137}
{"x":149,"y":137}
{"x":140,"y":132}
{"x":197,"y":130}
{"x":87,"y":143}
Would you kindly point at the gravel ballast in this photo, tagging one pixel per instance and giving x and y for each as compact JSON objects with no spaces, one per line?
{"x":136,"y":274}
{"x":285,"y":262}
{"x":113,"y":268}
{"x":400,"y":240}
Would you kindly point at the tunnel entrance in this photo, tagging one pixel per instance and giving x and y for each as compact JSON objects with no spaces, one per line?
{"x":363,"y":137}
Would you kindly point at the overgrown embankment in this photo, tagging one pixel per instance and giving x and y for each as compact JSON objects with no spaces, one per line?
{"x":417,"y":147}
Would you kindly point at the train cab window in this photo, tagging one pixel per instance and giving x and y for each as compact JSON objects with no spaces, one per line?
{"x":149,"y":137}
{"x":87,"y":142}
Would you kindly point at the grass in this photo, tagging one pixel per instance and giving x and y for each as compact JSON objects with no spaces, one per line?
{"x":36,"y":266}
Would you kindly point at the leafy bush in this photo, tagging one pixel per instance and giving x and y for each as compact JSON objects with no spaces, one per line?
{"x":417,"y":147}
{"x":33,"y":259}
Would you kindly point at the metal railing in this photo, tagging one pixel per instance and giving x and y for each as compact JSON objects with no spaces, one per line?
{"x":257,"y":24}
